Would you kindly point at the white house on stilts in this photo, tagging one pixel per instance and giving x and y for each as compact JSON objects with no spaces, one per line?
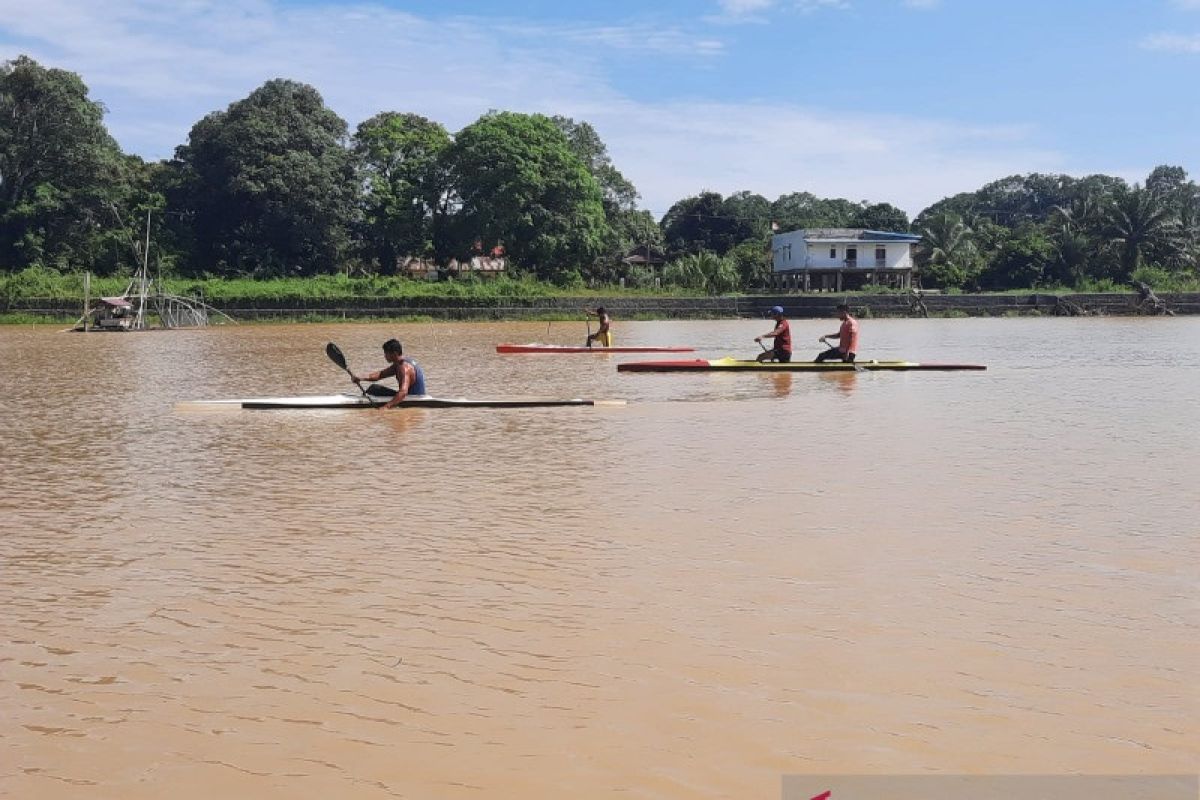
{"x":841,"y":259}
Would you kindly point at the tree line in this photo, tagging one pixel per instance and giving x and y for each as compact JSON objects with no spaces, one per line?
{"x":277,"y":185}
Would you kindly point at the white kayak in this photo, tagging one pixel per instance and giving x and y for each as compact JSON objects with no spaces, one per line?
{"x":351,"y":401}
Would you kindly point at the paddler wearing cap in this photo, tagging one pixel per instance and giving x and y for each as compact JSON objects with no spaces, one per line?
{"x":782,"y":334}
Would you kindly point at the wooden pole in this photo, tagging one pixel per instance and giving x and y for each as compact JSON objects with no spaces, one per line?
{"x":87,"y":298}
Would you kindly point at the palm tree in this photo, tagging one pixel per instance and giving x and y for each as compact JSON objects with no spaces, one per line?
{"x":1072,"y":226}
{"x":1189,"y":232}
{"x":705,"y":271}
{"x":947,"y":250}
{"x":946,"y":237}
{"x":1139,"y":220}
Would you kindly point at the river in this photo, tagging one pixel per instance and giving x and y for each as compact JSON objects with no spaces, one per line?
{"x":729,"y":579}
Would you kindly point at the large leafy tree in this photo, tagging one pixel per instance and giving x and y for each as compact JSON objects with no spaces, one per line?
{"x":750,"y":219}
{"x":800,"y":210}
{"x":270,"y":184}
{"x":627,"y":229}
{"x":517,"y":183}
{"x":60,"y":171}
{"x":697,"y":223}
{"x":881,"y":217}
{"x":400,"y":161}
{"x":1178,"y":251}
{"x":1020,"y":260}
{"x":619,"y":193}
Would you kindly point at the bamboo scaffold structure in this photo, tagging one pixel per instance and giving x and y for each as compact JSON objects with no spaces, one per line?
{"x":143,"y":299}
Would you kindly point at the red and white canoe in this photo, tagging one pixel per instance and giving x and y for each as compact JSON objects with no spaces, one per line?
{"x":564,"y":348}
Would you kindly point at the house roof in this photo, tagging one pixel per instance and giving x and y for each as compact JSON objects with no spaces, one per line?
{"x":845,"y":235}
{"x":119,"y":302}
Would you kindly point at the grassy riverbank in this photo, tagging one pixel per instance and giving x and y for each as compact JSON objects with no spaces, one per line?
{"x":44,"y":284}
{"x":47,"y":296}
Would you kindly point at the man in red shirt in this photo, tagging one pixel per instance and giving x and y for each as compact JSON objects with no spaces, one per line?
{"x":782,"y":334}
{"x":847,"y":337}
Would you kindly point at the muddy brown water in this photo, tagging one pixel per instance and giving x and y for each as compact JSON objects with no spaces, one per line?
{"x":731,"y":578}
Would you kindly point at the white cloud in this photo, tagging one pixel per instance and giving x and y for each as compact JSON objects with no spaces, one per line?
{"x":160,"y":66}
{"x":754,"y":10}
{"x":737,"y":7}
{"x":1186,"y":5}
{"x":1172,"y":42}
{"x":922,"y":5}
{"x":683,"y":148}
{"x":808,"y":6}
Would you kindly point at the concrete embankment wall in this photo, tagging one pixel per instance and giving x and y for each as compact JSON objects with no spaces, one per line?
{"x":796,"y":306}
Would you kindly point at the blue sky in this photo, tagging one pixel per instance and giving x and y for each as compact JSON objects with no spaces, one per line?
{"x":900,"y":101}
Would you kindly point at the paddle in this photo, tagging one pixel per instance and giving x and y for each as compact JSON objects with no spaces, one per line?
{"x":589,"y":339}
{"x":335,"y":355}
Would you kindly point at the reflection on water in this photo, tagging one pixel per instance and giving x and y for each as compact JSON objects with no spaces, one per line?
{"x":835,"y":573}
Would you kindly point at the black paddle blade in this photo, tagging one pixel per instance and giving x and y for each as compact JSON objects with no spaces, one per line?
{"x":335,"y":355}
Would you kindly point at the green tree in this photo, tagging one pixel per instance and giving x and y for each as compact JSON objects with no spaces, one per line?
{"x":1020,"y":261}
{"x":1075,"y":248}
{"x":1189,"y":232}
{"x":399,"y":157}
{"x":632,"y":233}
{"x":881,"y":217}
{"x":750,"y":220}
{"x":270,"y":184}
{"x":1168,"y":182}
{"x":618,"y":192}
{"x":800,"y":210}
{"x":1177,"y":252}
{"x":626,"y":225}
{"x":59,"y":169}
{"x":697,"y":223}
{"x":947,"y":255}
{"x":704,"y":271}
{"x":516,"y":182}
{"x":752,"y":259}
{"x":1137,"y":220}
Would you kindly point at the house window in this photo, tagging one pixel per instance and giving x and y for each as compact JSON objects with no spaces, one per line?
{"x":881,"y":254}
{"x":851,"y":257}
{"x":833,"y":252}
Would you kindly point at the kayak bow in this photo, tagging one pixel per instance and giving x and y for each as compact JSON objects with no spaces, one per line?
{"x":736,"y":365}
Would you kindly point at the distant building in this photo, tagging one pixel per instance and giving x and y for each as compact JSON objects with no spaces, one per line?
{"x":484,"y":266}
{"x":840,"y":259}
{"x":644,"y":256}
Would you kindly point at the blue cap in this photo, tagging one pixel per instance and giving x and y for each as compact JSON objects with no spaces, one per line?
{"x":776,"y":311}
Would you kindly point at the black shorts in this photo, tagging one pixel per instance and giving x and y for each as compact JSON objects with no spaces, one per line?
{"x":833,"y":354}
{"x":783,"y":356}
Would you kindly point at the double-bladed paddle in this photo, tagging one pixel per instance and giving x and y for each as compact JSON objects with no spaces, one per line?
{"x":336,"y":356}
